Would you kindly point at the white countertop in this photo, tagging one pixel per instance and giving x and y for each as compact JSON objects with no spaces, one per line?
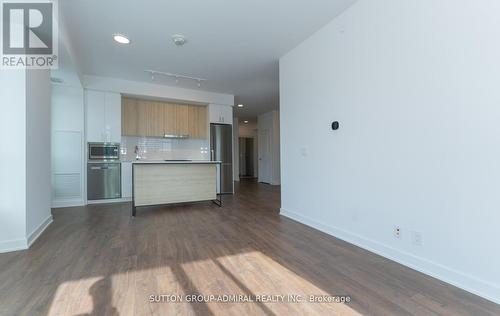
{"x":173,"y":162}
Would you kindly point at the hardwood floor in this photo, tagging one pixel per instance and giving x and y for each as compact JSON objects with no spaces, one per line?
{"x":97,"y":260}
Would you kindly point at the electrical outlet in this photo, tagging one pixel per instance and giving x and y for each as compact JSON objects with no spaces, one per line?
{"x":397,"y":232}
{"x":416,"y":238}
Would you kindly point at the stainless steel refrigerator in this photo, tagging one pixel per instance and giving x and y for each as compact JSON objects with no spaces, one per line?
{"x":221,"y":149}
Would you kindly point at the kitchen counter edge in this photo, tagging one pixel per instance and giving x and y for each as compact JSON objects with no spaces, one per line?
{"x":172,"y":162}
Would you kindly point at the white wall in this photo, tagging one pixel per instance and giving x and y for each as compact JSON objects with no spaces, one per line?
{"x":414,"y":85}
{"x":276,"y":138}
{"x":156,"y":90}
{"x":38,"y":140}
{"x":271,"y":122}
{"x":12,"y":160}
{"x":248,"y":130}
{"x":68,"y":146}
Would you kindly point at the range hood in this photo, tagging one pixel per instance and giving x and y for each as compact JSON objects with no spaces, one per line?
{"x":175,"y":136}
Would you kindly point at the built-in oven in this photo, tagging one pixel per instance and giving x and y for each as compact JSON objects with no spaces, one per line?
{"x":104,"y":151}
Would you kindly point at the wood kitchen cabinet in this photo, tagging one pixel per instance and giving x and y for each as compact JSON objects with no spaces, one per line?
{"x":197,"y":121}
{"x":182,"y":120}
{"x":145,"y":118}
{"x":142,"y":118}
{"x":157,"y":119}
{"x":151,"y":121}
{"x":129,"y":117}
{"x":169,"y":119}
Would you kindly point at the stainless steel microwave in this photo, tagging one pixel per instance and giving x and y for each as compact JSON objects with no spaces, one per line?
{"x":104,"y":151}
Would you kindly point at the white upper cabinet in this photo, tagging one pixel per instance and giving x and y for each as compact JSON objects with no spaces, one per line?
{"x":103,"y":116}
{"x":94,"y":106}
{"x":222,"y":114}
{"x":113,"y":115}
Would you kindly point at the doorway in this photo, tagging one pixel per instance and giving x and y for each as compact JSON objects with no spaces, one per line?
{"x":247,"y":157}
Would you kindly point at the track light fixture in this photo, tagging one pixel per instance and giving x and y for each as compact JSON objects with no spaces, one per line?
{"x":177,"y":77}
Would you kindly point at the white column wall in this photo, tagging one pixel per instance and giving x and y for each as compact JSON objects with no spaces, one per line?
{"x":12,"y":160}
{"x":38,"y":153}
{"x":24,"y":157}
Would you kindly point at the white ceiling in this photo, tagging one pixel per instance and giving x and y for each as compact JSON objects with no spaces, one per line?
{"x":235,"y":44}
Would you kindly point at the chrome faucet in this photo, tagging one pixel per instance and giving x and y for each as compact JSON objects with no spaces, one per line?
{"x":137,"y":153}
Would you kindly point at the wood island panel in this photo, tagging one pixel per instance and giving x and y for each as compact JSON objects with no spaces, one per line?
{"x":156,"y":184}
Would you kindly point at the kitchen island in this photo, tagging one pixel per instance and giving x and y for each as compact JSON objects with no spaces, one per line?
{"x":171,"y":182}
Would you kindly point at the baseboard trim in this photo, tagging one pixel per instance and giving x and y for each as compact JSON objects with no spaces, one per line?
{"x":468,"y":283}
{"x":13,"y":245}
{"x":39,"y":230}
{"x":110,"y":201}
{"x":68,"y":203}
{"x":25,"y":243}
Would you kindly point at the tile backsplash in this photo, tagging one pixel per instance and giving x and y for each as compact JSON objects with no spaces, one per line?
{"x":152,"y":148}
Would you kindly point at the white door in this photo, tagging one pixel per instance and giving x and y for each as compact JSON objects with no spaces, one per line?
{"x":264,"y":156}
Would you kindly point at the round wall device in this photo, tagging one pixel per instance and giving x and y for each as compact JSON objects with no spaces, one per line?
{"x":179,"y":39}
{"x":335,"y":125}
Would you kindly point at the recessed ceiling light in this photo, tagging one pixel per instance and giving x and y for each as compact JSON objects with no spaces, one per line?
{"x":122,"y":39}
{"x":240,"y":105}
{"x":246,"y":122}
